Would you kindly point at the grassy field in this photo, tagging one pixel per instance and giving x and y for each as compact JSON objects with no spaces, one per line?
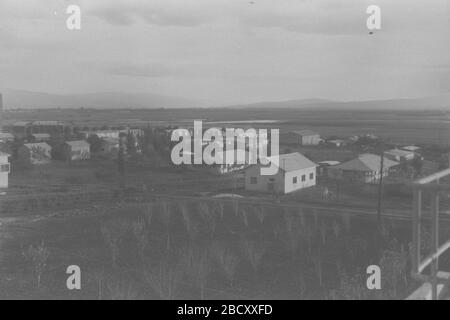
{"x":407,"y":127}
{"x":168,"y":248}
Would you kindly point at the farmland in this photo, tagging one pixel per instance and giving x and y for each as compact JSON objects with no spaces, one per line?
{"x":430,"y":127}
{"x":162,"y":233}
{"x":184,"y":248}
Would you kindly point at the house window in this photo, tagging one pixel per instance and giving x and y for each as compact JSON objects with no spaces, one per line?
{"x":311,"y":176}
{"x":253,"y":180}
{"x":294,"y":180}
{"x":4,"y":167}
{"x":304,"y":177}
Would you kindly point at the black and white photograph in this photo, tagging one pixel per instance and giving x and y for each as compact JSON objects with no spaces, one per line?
{"x":225,"y":155}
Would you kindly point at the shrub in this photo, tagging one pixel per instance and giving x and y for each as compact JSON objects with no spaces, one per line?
{"x":38,"y":257}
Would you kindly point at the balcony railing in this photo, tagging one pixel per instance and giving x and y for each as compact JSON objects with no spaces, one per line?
{"x":435,"y":282}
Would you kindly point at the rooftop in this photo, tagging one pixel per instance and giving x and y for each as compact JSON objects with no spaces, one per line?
{"x":37,"y":145}
{"x":78,"y":144}
{"x":6,"y":135}
{"x":41,"y":135}
{"x":329,"y":163}
{"x":399,"y":152}
{"x":293,"y":161}
{"x":109,"y":140}
{"x":21,"y":123}
{"x":305,"y":132}
{"x":46,"y":123}
{"x":366,"y":162}
{"x":410,"y":148}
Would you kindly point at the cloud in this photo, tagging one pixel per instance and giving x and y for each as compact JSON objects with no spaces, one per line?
{"x":302,"y":16}
{"x":167,"y":13}
{"x":320,"y":23}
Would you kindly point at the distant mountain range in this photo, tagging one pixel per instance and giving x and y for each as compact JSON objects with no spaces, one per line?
{"x":13,"y":99}
{"x":429,"y":103}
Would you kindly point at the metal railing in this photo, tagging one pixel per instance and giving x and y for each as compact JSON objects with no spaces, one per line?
{"x":439,"y":280}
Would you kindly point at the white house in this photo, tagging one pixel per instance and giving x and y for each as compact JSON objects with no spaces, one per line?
{"x":35,"y":153}
{"x":301,"y":137}
{"x":399,"y":155}
{"x":323,"y":167}
{"x":4,"y":170}
{"x":365,"y":169}
{"x":114,"y":134}
{"x":411,"y":148}
{"x":6,"y":137}
{"x":77,"y":150}
{"x":230,"y":160}
{"x":41,"y":137}
{"x":295,"y":172}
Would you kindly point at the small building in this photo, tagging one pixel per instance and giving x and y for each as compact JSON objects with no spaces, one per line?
{"x":76,"y":150}
{"x":35,"y":153}
{"x":114,"y":134}
{"x":4,"y":169}
{"x":295,"y":172}
{"x":230,"y":160}
{"x":135,"y":132}
{"x":337,"y":142}
{"x":365,"y":168}
{"x":399,"y":155}
{"x":6,"y":137}
{"x":41,"y":137}
{"x":322,"y":170}
{"x":302,"y":137}
{"x":21,"y":129}
{"x":24,"y":129}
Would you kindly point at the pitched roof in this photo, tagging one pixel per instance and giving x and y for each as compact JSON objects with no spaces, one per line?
{"x":37,"y":145}
{"x":410,"y":148}
{"x":78,"y":144}
{"x":21,"y":123}
{"x":366,"y":162}
{"x":329,"y":162}
{"x":109,"y":140}
{"x":41,"y":135}
{"x":232,"y":156}
{"x":399,"y":152}
{"x":293,"y":161}
{"x":305,"y":132}
{"x":47,"y":123}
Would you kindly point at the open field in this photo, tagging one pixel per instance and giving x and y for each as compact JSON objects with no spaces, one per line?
{"x":168,"y":248}
{"x":409,"y":127}
{"x":160,"y":234}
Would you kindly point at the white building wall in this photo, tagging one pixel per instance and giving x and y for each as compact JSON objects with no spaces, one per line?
{"x":309,"y":175}
{"x":3,"y":174}
{"x":3,"y":180}
{"x":262,"y":182}
{"x":283,"y":182}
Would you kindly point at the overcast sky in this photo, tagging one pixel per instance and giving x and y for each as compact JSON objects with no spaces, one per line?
{"x":228,"y":51}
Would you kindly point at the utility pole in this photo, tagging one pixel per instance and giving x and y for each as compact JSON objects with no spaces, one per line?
{"x":380,"y":189}
{"x":121,"y":162}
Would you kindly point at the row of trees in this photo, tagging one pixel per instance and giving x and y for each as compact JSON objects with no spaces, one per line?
{"x":219,"y":249}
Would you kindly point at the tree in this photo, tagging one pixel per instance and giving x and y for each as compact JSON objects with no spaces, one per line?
{"x":131,"y":143}
{"x":121,"y":160}
{"x":95,"y":142}
{"x":417,"y":165}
